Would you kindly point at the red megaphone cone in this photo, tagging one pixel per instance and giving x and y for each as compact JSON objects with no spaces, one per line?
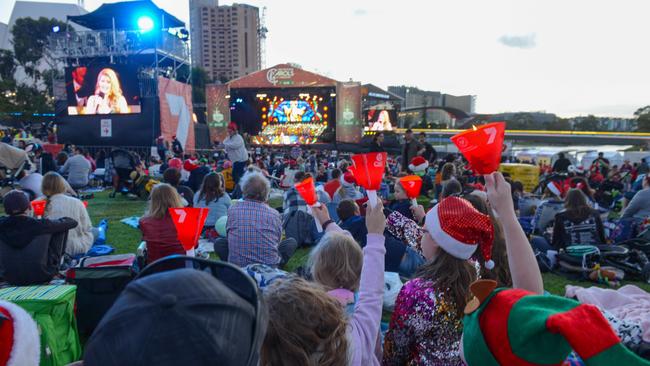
{"x":189,"y":223}
{"x":369,"y":169}
{"x":412,"y":185}
{"x":39,"y":207}
{"x":482,"y":146}
{"x":307,"y":191}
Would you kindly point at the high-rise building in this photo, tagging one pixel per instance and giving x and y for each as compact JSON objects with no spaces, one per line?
{"x":225,"y":39}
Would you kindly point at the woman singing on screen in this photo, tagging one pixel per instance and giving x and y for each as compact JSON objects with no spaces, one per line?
{"x":108,"y":97}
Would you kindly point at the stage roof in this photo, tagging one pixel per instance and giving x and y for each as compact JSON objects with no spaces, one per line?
{"x":282,"y":76}
{"x":126,"y":14}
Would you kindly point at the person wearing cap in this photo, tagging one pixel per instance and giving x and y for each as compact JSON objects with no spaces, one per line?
{"x":236,"y":150}
{"x":426,"y":325}
{"x":28,"y":255}
{"x":179,"y":317}
{"x":198,"y":170}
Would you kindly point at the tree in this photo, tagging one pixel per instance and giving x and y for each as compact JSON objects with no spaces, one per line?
{"x":559,"y":124}
{"x":643,"y":119}
{"x":589,"y":123}
{"x":7,"y":65}
{"x":199,"y":80}
{"x":30,"y":38}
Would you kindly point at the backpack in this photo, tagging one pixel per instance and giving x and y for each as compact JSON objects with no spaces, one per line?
{"x":298,"y":225}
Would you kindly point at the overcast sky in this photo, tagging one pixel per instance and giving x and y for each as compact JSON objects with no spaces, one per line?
{"x":569,"y":57}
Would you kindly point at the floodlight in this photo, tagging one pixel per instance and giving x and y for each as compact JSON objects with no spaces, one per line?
{"x":56,"y":29}
{"x":145,"y":23}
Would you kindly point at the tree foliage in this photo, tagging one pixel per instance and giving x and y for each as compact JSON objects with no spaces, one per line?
{"x":643,"y":119}
{"x":199,"y":80}
{"x":30,"y":39}
{"x":589,"y":123}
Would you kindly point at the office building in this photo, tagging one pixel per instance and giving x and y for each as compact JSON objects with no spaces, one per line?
{"x":415,"y":98}
{"x":225,"y":39}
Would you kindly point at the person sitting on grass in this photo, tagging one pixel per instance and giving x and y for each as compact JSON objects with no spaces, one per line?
{"x":213,"y":196}
{"x":578,"y":223}
{"x":309,"y":327}
{"x":400,"y":257}
{"x":27,"y":255}
{"x":77,"y":169}
{"x":254,"y":229}
{"x":157,"y":226}
{"x":172,"y":176}
{"x":59,"y":205}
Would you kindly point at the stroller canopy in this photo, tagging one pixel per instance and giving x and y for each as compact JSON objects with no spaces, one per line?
{"x":11,"y":157}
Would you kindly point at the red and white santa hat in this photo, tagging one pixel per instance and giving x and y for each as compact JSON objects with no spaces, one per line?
{"x":19,"y":338}
{"x":555,"y":187}
{"x":459,"y":229}
{"x":347,"y":179}
{"x":190,"y":165}
{"x":418,"y":164}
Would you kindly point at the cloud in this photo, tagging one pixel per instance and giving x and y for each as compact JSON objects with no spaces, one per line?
{"x":360,"y":12}
{"x":526,"y":41}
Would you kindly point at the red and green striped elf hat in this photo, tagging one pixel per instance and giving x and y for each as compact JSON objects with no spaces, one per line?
{"x":516,"y":327}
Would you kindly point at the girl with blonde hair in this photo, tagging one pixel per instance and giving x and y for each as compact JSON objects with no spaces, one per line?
{"x":108,"y":97}
{"x":60,"y":205}
{"x":157,"y":227}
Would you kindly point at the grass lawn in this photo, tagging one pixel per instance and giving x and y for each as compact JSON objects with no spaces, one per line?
{"x":126,"y":239}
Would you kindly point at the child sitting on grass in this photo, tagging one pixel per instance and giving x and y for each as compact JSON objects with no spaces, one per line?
{"x":309,"y":327}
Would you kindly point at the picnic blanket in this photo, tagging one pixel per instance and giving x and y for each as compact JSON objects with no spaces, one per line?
{"x":132,"y":221}
{"x":629,"y":303}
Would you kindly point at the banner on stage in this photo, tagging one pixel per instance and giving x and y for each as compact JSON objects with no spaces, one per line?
{"x":218,"y":108}
{"x":176,"y":112}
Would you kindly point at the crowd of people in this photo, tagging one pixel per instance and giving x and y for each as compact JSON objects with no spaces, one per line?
{"x":473,"y":232}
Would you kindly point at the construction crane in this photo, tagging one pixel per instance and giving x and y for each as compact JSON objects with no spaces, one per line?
{"x":261,"y":32}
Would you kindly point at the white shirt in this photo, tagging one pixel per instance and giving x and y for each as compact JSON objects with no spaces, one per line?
{"x":80,"y":239}
{"x":32,"y":182}
{"x":235,"y":148}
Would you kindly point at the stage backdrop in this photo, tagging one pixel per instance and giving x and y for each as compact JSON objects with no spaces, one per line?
{"x":218,"y":108}
{"x":176,"y":111}
{"x":349,"y":125}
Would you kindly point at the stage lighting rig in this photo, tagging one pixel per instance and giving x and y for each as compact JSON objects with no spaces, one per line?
{"x":145,"y":23}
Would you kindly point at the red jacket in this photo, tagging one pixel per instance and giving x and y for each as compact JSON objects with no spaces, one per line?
{"x":161,"y":237}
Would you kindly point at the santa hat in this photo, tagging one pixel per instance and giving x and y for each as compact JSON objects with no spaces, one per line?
{"x":347,"y":179}
{"x":19,"y":338}
{"x":517,"y":327}
{"x":418,"y":164}
{"x":458,"y":228}
{"x":190,"y":165}
{"x":232,"y":126}
{"x":555,"y":187}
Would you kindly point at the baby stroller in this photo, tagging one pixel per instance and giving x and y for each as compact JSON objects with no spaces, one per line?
{"x":12,"y":162}
{"x":123,"y":164}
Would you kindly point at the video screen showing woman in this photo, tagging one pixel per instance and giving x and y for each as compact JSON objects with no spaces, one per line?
{"x":102,"y":94}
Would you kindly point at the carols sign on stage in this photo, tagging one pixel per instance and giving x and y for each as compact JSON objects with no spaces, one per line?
{"x":281,"y":76}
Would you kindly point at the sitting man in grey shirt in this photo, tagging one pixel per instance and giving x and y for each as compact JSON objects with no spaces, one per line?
{"x":77,"y":169}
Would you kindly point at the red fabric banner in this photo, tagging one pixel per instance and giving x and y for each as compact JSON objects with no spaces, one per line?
{"x":176,"y":113}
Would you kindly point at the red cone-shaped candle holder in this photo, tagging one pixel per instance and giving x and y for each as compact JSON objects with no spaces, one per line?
{"x":482,"y":146}
{"x":368,"y":170}
{"x":189,"y":223}
{"x":412,"y":185}
{"x":39,"y":207}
